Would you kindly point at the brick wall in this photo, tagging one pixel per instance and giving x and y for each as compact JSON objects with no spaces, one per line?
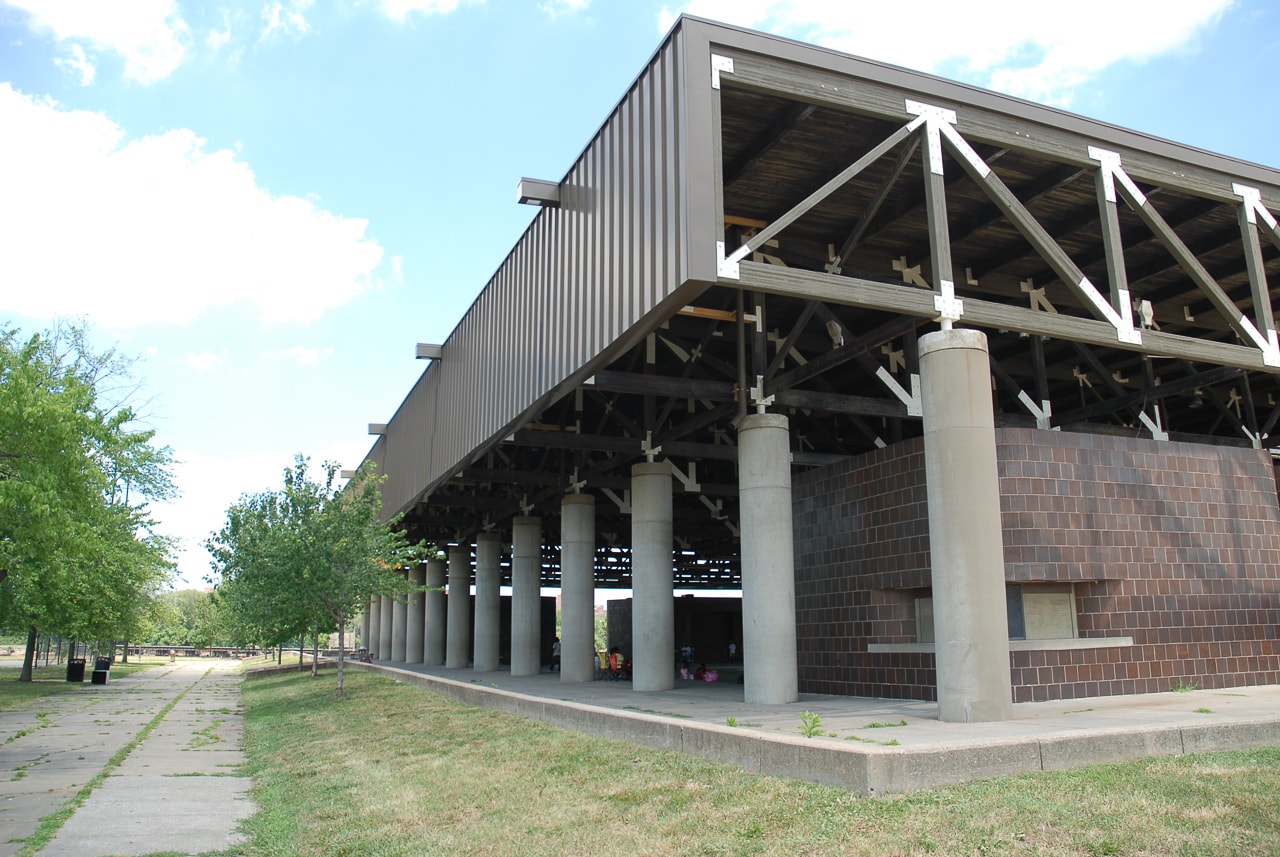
{"x":1175,"y":545}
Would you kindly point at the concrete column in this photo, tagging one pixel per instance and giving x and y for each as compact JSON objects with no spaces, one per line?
{"x":768,"y":563}
{"x":653,"y":620}
{"x":399,"y":628}
{"x":526,"y":592}
{"x":457,"y":650}
{"x":373,"y":626}
{"x":384,"y":628}
{"x":970,"y":619}
{"x":488,"y":601}
{"x":414,"y":636}
{"x":436,"y":618}
{"x":577,"y":588}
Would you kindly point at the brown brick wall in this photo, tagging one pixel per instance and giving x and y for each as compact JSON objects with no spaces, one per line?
{"x":1176,"y":545}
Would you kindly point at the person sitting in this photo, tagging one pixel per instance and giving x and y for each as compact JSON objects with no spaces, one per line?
{"x":700,"y":674}
{"x":711,"y":675}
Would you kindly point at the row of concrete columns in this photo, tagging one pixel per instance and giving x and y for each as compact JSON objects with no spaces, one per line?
{"x":768,"y":614}
{"x":965,"y":537}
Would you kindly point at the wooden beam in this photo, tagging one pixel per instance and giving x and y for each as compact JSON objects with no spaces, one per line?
{"x":907,"y":300}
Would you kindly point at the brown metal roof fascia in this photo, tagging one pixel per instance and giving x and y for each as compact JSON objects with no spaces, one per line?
{"x":632,"y":241}
{"x":1139,"y":149}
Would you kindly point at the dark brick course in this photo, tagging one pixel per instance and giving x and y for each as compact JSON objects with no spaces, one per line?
{"x":1175,"y":545}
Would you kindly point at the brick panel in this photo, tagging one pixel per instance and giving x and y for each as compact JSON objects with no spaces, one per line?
{"x":1175,"y":545}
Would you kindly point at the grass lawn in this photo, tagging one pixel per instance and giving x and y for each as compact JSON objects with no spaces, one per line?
{"x":53,"y":679}
{"x":392,"y":769}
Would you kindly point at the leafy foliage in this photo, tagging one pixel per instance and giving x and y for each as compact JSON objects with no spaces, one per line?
{"x":307,"y":558}
{"x":77,"y":551}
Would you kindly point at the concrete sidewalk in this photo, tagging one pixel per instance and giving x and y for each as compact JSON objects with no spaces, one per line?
{"x":175,"y":792}
{"x":875,"y":746}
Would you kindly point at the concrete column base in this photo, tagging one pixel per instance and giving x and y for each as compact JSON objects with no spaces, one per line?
{"x":768,"y":561}
{"x":970,"y":618}
{"x":577,"y":588}
{"x":526,"y":594}
{"x":653,"y":621}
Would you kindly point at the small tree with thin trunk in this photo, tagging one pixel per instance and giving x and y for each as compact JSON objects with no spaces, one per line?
{"x":311,"y":555}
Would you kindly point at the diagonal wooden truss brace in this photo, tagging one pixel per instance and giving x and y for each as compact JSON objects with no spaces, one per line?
{"x":937,"y":126}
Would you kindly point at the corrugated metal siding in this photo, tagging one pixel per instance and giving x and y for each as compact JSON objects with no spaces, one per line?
{"x":579,"y":279}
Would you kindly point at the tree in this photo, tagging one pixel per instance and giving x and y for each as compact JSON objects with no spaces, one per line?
{"x":189,"y":617}
{"x":306,"y":558}
{"x":76,"y":473}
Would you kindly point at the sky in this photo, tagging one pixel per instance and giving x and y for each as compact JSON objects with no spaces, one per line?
{"x":270,"y":202}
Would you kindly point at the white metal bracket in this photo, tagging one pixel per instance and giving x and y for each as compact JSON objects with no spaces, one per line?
{"x":1042,"y":412}
{"x":949,"y":307}
{"x":1157,"y":431}
{"x":727,"y":268}
{"x":720,"y":65}
{"x":1253,"y":207}
{"x":623,"y":503}
{"x":758,"y":398}
{"x":717,"y":513}
{"x":690,"y":482}
{"x":647,"y":447}
{"x":912,"y":400}
{"x":935,"y":118}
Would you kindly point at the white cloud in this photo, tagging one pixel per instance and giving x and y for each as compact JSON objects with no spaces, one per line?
{"x":398,"y":10}
{"x":204,"y":360}
{"x":217,"y":39}
{"x":303,"y":355}
{"x":158,"y":229}
{"x":148,"y":34}
{"x":78,"y":63}
{"x":556,"y":8}
{"x":285,"y":18}
{"x":1039,"y":51}
{"x":209,"y":485}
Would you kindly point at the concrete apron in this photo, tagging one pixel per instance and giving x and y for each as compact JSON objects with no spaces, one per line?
{"x":1042,"y":736}
{"x":176,"y":792}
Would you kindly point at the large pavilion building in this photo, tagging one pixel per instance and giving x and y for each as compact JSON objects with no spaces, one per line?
{"x":971,"y":399}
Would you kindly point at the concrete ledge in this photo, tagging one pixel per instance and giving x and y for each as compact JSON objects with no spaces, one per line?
{"x":903,"y":769}
{"x":1014,"y":645}
{"x":869,"y":769}
{"x":1211,"y":738}
{"x":277,"y":669}
{"x":1095,"y":747}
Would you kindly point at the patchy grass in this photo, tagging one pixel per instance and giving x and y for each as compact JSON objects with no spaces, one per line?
{"x":206,"y":736}
{"x":46,"y":681}
{"x":391,"y":769}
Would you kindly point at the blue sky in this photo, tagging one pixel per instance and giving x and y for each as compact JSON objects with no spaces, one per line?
{"x":270,"y":203}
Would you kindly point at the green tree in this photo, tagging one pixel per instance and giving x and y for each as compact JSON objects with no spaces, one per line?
{"x":305,"y":559}
{"x":76,"y":545}
{"x":189,"y":617}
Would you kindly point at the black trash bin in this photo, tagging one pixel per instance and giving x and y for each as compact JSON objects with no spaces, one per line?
{"x":101,"y":669}
{"x":75,"y":669}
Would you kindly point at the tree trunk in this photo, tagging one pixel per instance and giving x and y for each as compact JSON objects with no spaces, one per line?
{"x":342,"y":638}
{"x":28,"y":659}
{"x":302,"y":652}
{"x":124,"y":659}
{"x":315,"y":654}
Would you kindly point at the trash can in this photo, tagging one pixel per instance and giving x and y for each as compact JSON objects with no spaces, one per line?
{"x":102,"y":664}
{"x":101,"y":669}
{"x":75,"y":669}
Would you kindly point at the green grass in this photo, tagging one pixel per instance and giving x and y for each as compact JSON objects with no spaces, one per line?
{"x":391,"y":769}
{"x":49,"y":680}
